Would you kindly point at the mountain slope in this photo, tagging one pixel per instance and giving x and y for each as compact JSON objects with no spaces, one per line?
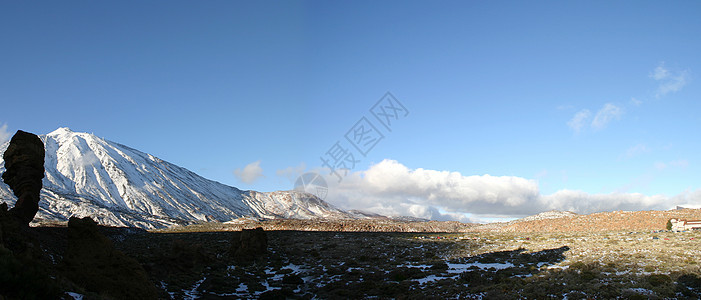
{"x":121,"y":186}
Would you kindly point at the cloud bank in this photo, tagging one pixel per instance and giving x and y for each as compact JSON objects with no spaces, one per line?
{"x":250,"y":172}
{"x":390,"y":188}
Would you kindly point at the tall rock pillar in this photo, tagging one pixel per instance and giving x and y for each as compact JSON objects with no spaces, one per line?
{"x":24,"y":164}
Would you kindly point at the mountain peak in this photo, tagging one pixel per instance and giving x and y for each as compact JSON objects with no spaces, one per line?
{"x":61,"y":131}
{"x":120,"y":186}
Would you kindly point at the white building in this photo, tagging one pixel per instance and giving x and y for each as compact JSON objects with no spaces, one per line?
{"x":681,"y":225}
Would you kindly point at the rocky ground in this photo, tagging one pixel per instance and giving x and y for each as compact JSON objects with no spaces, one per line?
{"x":548,"y":256}
{"x":341,"y":265}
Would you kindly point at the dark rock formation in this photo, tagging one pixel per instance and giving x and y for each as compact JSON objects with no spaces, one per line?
{"x":91,"y":261}
{"x":251,"y":242}
{"x":24,"y":164}
{"x":23,"y":271}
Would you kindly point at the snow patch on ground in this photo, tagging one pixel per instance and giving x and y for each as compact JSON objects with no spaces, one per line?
{"x":243,"y":288}
{"x":459,"y":268}
{"x":642,"y":291}
{"x":432,"y":278}
{"x":192,"y":292}
{"x":75,"y":296}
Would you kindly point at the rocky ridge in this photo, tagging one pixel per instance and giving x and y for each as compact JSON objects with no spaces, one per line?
{"x":348,"y":225}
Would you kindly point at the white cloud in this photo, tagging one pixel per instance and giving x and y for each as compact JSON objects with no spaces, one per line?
{"x":390,"y":188}
{"x":680,"y":163}
{"x":605,"y":115}
{"x":433,"y":213}
{"x":688,"y":199}
{"x":292,"y":173}
{"x":579,"y":120}
{"x":250,"y":172}
{"x":669,"y":82}
{"x":660,"y":72}
{"x":636,"y":150}
{"x":4,"y":134}
{"x":585,"y":203}
{"x":675,"y":84}
{"x":660,"y":165}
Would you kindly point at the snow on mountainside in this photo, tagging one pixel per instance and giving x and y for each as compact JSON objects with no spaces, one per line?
{"x":120,"y":186}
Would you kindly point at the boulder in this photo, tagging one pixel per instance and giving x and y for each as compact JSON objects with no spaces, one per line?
{"x":251,"y":242}
{"x":91,"y":261}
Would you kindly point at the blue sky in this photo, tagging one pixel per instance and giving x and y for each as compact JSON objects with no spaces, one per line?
{"x":585,"y":101}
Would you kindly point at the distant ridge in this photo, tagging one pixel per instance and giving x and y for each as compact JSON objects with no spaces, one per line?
{"x":552,"y":214}
{"x":602,"y":221}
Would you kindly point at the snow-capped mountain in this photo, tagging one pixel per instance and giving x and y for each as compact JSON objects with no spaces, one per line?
{"x":120,"y":186}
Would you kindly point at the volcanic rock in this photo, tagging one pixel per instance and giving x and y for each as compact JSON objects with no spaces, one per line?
{"x":24,"y":164}
{"x":252,"y":242}
{"x":92,"y":261}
